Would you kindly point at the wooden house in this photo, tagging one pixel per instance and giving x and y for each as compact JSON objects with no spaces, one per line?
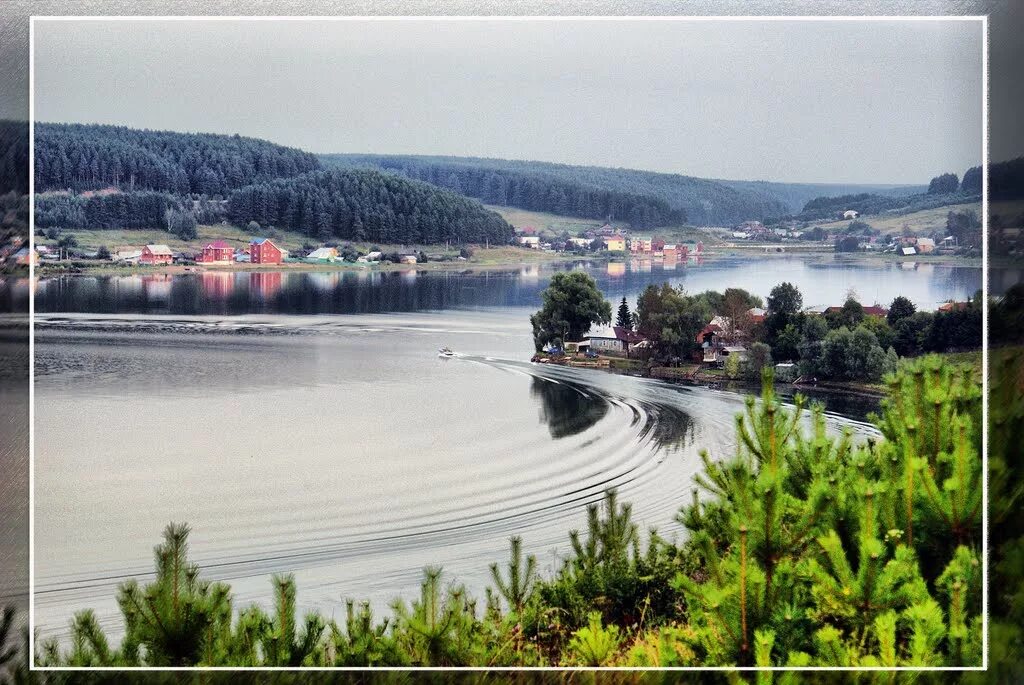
{"x":264,"y":251}
{"x":156,"y":254}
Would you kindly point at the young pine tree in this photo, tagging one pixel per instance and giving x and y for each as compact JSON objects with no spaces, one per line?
{"x":769,"y":503}
{"x":178,"y":619}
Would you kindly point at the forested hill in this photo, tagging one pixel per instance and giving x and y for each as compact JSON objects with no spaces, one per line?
{"x":363,"y":204}
{"x":796,"y":195}
{"x":698,"y":201}
{"x":529,"y":185}
{"x":641,"y":198}
{"x":162,"y":179}
{"x":82,"y":157}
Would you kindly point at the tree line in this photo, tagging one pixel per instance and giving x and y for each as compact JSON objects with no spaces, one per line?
{"x":660,"y":199}
{"x":90,"y":156}
{"x":362,"y":204}
{"x":529,"y":189}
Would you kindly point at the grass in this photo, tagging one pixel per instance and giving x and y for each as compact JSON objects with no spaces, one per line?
{"x":543,"y":221}
{"x":925,"y":221}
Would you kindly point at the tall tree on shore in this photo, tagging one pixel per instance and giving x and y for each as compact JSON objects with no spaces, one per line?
{"x":572,"y":304}
{"x":624,"y":318}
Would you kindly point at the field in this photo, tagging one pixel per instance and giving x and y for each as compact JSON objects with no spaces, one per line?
{"x":925,"y":221}
{"x":542,"y":221}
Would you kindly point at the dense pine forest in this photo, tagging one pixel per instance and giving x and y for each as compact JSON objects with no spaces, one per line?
{"x":362,"y":204}
{"x":98,"y":177}
{"x":81,"y":157}
{"x":644,"y":199}
{"x":587,"y":191}
{"x":528,"y":186}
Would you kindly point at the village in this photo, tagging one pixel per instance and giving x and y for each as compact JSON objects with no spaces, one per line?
{"x":855,"y":236}
{"x":723,"y":348}
{"x":260,"y":251}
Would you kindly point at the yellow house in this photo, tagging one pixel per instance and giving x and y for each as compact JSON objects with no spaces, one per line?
{"x":615,"y":243}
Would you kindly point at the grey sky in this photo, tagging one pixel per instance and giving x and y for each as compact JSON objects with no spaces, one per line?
{"x":892,"y":101}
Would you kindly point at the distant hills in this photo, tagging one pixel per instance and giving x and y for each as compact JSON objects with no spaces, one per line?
{"x":697,"y":201}
{"x":94,"y":176}
{"x":97,"y":176}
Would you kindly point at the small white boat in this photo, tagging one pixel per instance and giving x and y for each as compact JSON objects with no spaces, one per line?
{"x":445,"y":352}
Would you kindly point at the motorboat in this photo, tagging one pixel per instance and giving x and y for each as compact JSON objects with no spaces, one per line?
{"x":445,"y":352}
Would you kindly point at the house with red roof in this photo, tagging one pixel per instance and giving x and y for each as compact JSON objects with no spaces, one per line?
{"x":217,"y":252}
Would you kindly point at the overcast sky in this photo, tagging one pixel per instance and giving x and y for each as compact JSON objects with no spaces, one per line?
{"x":823,"y":101}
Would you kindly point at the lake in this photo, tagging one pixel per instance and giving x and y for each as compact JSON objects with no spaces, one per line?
{"x":304,"y":422}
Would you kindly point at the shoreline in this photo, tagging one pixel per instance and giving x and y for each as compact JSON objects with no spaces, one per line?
{"x":84,"y":268}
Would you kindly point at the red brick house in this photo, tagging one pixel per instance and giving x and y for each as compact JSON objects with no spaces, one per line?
{"x":156,"y":254}
{"x":217,"y":252}
{"x":264,"y":251}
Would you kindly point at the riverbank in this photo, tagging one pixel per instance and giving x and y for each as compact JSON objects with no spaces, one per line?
{"x":707,"y":376}
{"x":482,"y":259}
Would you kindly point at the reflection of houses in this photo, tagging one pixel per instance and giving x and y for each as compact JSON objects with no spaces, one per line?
{"x":156,"y":254}
{"x":266,"y":284}
{"x":324,"y":281}
{"x":157,"y":286}
{"x":217,"y":252}
{"x":617,"y":341}
{"x":264,"y":251}
{"x":616,"y":268}
{"x":217,"y":285}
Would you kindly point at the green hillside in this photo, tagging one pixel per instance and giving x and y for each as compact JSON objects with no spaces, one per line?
{"x":697,"y":201}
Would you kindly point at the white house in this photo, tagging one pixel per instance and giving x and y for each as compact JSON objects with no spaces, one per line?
{"x":530,"y":241}
{"x":851,"y":214}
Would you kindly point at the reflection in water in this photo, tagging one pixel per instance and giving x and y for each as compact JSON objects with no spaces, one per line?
{"x":669,"y":427}
{"x":567,"y":409}
{"x":822,"y":281}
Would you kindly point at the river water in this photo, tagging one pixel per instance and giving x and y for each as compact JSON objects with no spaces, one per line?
{"x":305,"y":423}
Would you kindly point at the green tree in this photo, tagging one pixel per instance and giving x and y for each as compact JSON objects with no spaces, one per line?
{"x":849,"y":315}
{"x":671,"y":319}
{"x":623,"y":317}
{"x":103,"y":252}
{"x":572,"y":303}
{"x":784,"y":303}
{"x":178,"y":619}
{"x":760,"y":357}
{"x":522,"y":576}
{"x":900,"y":308}
{"x":735,"y":306}
{"x":282,"y":641}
